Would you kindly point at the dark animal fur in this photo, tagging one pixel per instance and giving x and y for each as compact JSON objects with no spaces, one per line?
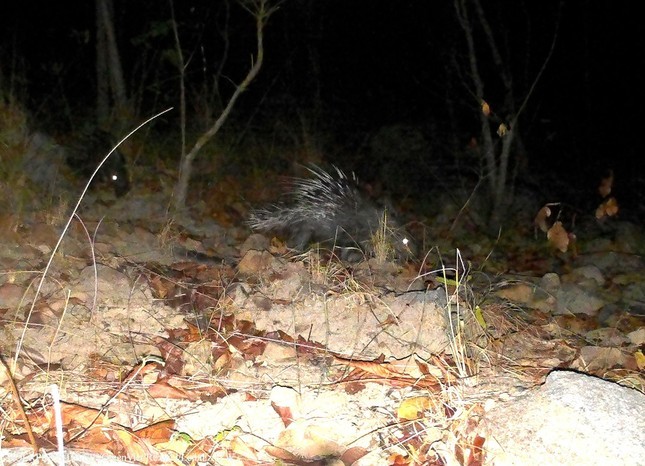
{"x":88,"y":152}
{"x":329,"y":209}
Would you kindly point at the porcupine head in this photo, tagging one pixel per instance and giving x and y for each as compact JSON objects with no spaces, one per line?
{"x":330,"y":210}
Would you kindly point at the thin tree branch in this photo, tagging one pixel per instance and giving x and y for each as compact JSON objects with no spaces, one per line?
{"x":260,"y":10}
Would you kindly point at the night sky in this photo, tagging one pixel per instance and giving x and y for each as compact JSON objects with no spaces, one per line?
{"x":361,"y":65}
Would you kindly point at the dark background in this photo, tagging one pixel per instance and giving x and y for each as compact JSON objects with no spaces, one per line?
{"x":350,"y":68}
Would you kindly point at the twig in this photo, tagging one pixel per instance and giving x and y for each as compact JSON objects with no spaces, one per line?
{"x":62,"y":235}
{"x":21,"y":409}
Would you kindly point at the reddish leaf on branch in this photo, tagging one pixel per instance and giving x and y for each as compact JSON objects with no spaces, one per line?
{"x":540,"y":220}
{"x":558,"y":237}
{"x":485,"y":108}
{"x":608,"y":208}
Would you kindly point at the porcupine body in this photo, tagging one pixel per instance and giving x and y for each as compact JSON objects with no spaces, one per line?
{"x":55,"y":166}
{"x":330,"y":209}
{"x":88,"y":152}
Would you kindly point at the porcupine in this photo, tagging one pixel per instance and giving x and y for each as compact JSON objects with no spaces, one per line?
{"x":51,"y":165}
{"x":330,"y":209}
{"x":89,"y":150}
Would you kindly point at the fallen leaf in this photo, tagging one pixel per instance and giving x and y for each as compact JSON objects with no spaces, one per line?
{"x":200,"y":450}
{"x":163,"y":389}
{"x":284,"y":455}
{"x":176,"y":443}
{"x":240,"y":447}
{"x":541,"y":217}
{"x":385,"y":372}
{"x":478,"y":451}
{"x":470,"y":453}
{"x":485,"y":108}
{"x":158,"y":432}
{"x":558,"y":237}
{"x":284,"y":412}
{"x":608,"y":208}
{"x":412,"y":409}
{"x":81,"y":416}
{"x":598,"y":358}
{"x":126,"y":444}
{"x":161,"y":288}
{"x":611,"y":206}
{"x":399,"y":460}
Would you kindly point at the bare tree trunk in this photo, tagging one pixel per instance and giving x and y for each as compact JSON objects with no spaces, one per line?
{"x":261,"y":10}
{"x":496,"y":153}
{"x":182,"y":82}
{"x":110,"y":80}
{"x":102,"y":73}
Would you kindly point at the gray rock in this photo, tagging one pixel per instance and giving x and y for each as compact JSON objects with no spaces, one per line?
{"x":574,"y":299}
{"x":573,"y":419}
{"x":44,"y":163}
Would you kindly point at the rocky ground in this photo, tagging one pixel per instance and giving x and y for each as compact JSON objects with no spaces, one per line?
{"x":185,"y":342}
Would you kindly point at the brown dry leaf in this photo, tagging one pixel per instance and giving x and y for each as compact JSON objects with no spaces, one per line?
{"x":172,"y":353}
{"x":354,"y":386}
{"x":599,"y":358}
{"x":284,"y":455}
{"x":519,"y":293}
{"x":385,"y":372}
{"x":412,"y":409}
{"x":600,"y":211}
{"x":399,"y":460}
{"x":575,"y":323}
{"x":608,"y":208}
{"x":158,"y":432}
{"x":540,"y":219}
{"x":97,"y":440}
{"x":284,"y":412}
{"x":251,"y":347}
{"x":353,"y":454}
{"x":471,"y":453}
{"x":222,"y":362}
{"x":611,"y":206}
{"x":17,"y":441}
{"x":479,"y":455}
{"x":114,"y":440}
{"x":558,"y":237}
{"x":177,"y":444}
{"x":485,"y":108}
{"x":200,"y":450}
{"x":377,"y":367}
{"x":162,"y":389}
{"x":192,"y":389}
{"x":240,"y":447}
{"x":149,"y":372}
{"x":128,"y":445}
{"x":606,"y":185}
{"x":80,"y":415}
{"x":502,"y":130}
{"x":161,"y":287}
{"x":640,"y":360}
{"x":415,"y":366}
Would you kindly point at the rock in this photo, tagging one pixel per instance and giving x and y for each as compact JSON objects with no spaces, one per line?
{"x":573,"y":419}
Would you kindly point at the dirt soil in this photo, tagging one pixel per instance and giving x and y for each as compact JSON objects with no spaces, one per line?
{"x":186,"y":342}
